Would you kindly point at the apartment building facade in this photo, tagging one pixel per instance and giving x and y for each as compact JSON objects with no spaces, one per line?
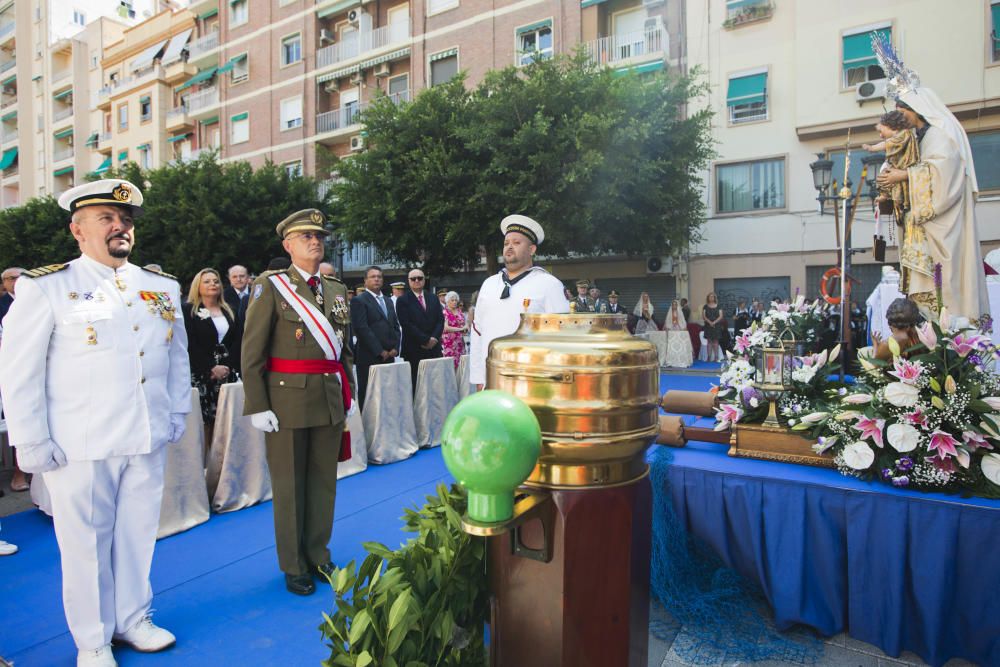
{"x":789,"y":80}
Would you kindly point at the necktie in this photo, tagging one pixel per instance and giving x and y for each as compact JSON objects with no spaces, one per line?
{"x":381,"y":304}
{"x":313,"y":284}
{"x":244,"y":298}
{"x":508,"y":283}
{"x":420,"y":298}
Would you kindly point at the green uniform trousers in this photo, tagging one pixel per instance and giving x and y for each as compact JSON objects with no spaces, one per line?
{"x":303,"y":465}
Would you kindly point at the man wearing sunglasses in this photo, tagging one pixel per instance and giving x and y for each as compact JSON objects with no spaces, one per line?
{"x":422,"y":320}
{"x":520,"y":287}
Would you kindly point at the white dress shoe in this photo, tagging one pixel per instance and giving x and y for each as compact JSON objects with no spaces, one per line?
{"x":146,"y":637}
{"x":102,"y":657}
{"x":6,"y":548}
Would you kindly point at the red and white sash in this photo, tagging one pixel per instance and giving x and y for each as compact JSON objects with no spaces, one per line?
{"x":315,"y":321}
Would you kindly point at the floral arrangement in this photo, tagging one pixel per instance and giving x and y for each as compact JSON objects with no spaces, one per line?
{"x":804,"y":320}
{"x":928,"y":419}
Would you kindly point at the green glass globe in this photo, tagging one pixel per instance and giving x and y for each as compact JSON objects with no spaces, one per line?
{"x":490,"y":442}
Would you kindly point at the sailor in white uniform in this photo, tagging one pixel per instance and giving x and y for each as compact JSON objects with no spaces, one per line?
{"x":95,"y":381}
{"x":520,"y":287}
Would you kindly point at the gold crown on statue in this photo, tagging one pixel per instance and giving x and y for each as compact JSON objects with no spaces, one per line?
{"x":900,"y":79}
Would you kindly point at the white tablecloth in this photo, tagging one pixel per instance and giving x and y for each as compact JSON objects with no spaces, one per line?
{"x":436,"y":395}
{"x":659,"y":339}
{"x":388,"y":413}
{"x":680,"y":354}
{"x":185,"y":501}
{"x":237,"y":466}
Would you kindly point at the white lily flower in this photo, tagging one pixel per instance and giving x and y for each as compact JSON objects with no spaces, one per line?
{"x":902,"y":437}
{"x":858,"y":455}
{"x":901,"y":395}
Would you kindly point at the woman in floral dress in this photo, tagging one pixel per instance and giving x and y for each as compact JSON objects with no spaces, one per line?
{"x":455,"y":327}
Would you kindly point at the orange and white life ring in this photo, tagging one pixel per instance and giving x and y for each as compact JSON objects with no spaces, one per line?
{"x":824,"y":286}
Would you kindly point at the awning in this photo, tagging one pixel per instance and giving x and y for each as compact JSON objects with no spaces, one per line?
{"x":63,"y":171}
{"x":232,"y":63}
{"x":345,"y":71}
{"x":588,"y":3}
{"x":104,"y":166}
{"x":534,"y":26}
{"x":336,"y":7}
{"x":143,"y":99}
{"x":179,"y":137}
{"x":142,"y":147}
{"x":640,"y":69}
{"x":62,"y":134}
{"x":444,"y":54}
{"x":9,"y":156}
{"x":240,"y":116}
{"x":210,"y":121}
{"x":736,"y":4}
{"x":65,"y":93}
{"x":858,"y":48}
{"x":203,"y":75}
{"x":145,"y":59}
{"x":746,"y":90}
{"x":995,"y":16}
{"x":175,"y":46}
{"x":9,"y":116}
{"x":123,"y":156}
{"x":9,"y":80}
{"x":92,"y":140}
{"x":209,"y":14}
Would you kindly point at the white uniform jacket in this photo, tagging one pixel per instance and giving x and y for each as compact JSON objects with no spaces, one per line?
{"x":496,"y":317}
{"x":94,"y":363}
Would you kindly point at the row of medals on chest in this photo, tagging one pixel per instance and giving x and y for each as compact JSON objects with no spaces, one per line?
{"x":157,"y":303}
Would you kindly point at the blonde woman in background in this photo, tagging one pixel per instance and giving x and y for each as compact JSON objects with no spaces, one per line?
{"x":643,"y":312}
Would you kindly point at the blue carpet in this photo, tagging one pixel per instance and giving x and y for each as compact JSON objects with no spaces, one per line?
{"x":217,"y":586}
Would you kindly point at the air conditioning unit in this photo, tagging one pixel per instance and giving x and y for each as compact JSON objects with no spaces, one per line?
{"x":357,"y":78}
{"x":332,"y":86}
{"x":353,"y":15}
{"x":659,"y":265}
{"x":382,"y":69}
{"x":326,"y":36}
{"x":357,"y":142}
{"x":870,"y":90}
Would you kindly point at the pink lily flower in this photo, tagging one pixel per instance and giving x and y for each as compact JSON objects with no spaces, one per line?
{"x":943,"y":443}
{"x":782,"y":307}
{"x":943,"y":463}
{"x":917,"y":418}
{"x":975,"y":440}
{"x":906,"y":371}
{"x":963,"y":344}
{"x":927,"y":336}
{"x":727,"y":415}
{"x":743,"y":343}
{"x":871,"y":428}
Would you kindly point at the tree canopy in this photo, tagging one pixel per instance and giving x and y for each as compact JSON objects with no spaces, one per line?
{"x":607,"y":163}
{"x":196,"y":214}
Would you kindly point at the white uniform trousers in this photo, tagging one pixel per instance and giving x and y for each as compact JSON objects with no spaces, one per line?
{"x":106,"y":515}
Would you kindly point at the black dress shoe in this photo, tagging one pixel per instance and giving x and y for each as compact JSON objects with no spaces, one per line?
{"x":300,"y":584}
{"x":324,"y":571}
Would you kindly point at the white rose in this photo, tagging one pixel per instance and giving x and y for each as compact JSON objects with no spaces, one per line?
{"x":902,"y":437}
{"x":991,"y":467}
{"x":901,"y":395}
{"x":858,"y":455}
{"x":804,"y":374}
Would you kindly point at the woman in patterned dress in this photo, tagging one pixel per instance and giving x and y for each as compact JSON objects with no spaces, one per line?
{"x":455,"y":327}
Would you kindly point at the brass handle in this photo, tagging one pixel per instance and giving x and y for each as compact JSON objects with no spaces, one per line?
{"x":554,"y":376}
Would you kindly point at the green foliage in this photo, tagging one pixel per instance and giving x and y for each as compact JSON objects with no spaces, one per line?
{"x":607,"y":163}
{"x":197,"y":214}
{"x":423,"y":605}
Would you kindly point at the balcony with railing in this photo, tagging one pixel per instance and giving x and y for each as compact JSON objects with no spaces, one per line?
{"x":60,"y":154}
{"x":7,"y":99}
{"x":202,"y":45}
{"x":9,"y":65}
{"x":61,"y":75}
{"x":741,"y":12}
{"x":116,"y":86}
{"x":62,"y":113}
{"x":359,"y":256}
{"x":358,"y":43}
{"x":346,"y":116}
{"x":203,"y":100}
{"x":630,"y":48}
{"x":8,"y":135}
{"x":6,"y":29}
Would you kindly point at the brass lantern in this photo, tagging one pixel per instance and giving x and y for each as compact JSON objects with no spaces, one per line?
{"x":774,"y":364}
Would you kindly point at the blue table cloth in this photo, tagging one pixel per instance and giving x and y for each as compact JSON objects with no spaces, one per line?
{"x":899,"y":569}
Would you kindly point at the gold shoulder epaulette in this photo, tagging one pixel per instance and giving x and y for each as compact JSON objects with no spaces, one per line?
{"x":267,"y":274}
{"x":159,"y":273}
{"x":45,"y":270}
{"x":334,"y":279}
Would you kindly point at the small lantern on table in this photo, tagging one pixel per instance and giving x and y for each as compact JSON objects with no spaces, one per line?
{"x":774,"y":365}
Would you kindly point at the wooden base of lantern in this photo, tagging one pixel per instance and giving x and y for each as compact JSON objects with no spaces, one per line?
{"x":757,"y":441}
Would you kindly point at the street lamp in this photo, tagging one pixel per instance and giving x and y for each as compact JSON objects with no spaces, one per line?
{"x":872,"y":164}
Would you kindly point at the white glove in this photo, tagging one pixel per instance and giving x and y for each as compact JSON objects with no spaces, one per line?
{"x":265,"y":421}
{"x":353,"y":409}
{"x":40,"y":457}
{"x":178,"y":422}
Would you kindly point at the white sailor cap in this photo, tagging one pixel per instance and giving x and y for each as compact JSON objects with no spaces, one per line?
{"x":106,"y":192}
{"x":525,"y":225}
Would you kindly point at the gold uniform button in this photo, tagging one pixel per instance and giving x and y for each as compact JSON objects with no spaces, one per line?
{"x":135,"y":327}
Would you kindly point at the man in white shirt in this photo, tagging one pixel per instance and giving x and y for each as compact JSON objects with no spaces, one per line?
{"x":520,"y":287}
{"x":96,"y":381}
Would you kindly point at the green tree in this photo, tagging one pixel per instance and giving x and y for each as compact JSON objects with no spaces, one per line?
{"x":608,"y":163}
{"x":196,"y":214}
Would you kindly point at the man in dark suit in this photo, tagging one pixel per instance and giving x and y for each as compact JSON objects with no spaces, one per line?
{"x":374,"y":322}
{"x":613,"y":306}
{"x":237,"y":295}
{"x":422,"y":320}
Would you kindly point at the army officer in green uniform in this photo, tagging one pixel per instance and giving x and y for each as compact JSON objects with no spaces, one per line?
{"x":299,"y":383}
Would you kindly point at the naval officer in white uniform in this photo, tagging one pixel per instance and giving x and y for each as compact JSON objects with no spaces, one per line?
{"x":95,"y":382}
{"x":520,"y":287}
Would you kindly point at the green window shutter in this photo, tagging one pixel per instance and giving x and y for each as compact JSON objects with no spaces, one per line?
{"x":92,"y":140}
{"x":240,"y":116}
{"x":62,"y":134}
{"x":63,"y":171}
{"x":746,"y":90}
{"x":8,"y":158}
{"x":144,"y":99}
{"x":587,"y":3}
{"x":104,"y":166}
{"x":9,"y":80}
{"x":210,"y":121}
{"x":123,"y":156}
{"x":179,"y":137}
{"x":534,"y":26}
{"x":858,"y":48}
{"x":995,"y":16}
{"x":209,"y":14}
{"x":444,"y":54}
{"x":9,"y":116}
{"x":65,"y":93}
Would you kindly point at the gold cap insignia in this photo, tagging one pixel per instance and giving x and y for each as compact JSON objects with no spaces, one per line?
{"x":316,"y":217}
{"x":122,"y":193}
